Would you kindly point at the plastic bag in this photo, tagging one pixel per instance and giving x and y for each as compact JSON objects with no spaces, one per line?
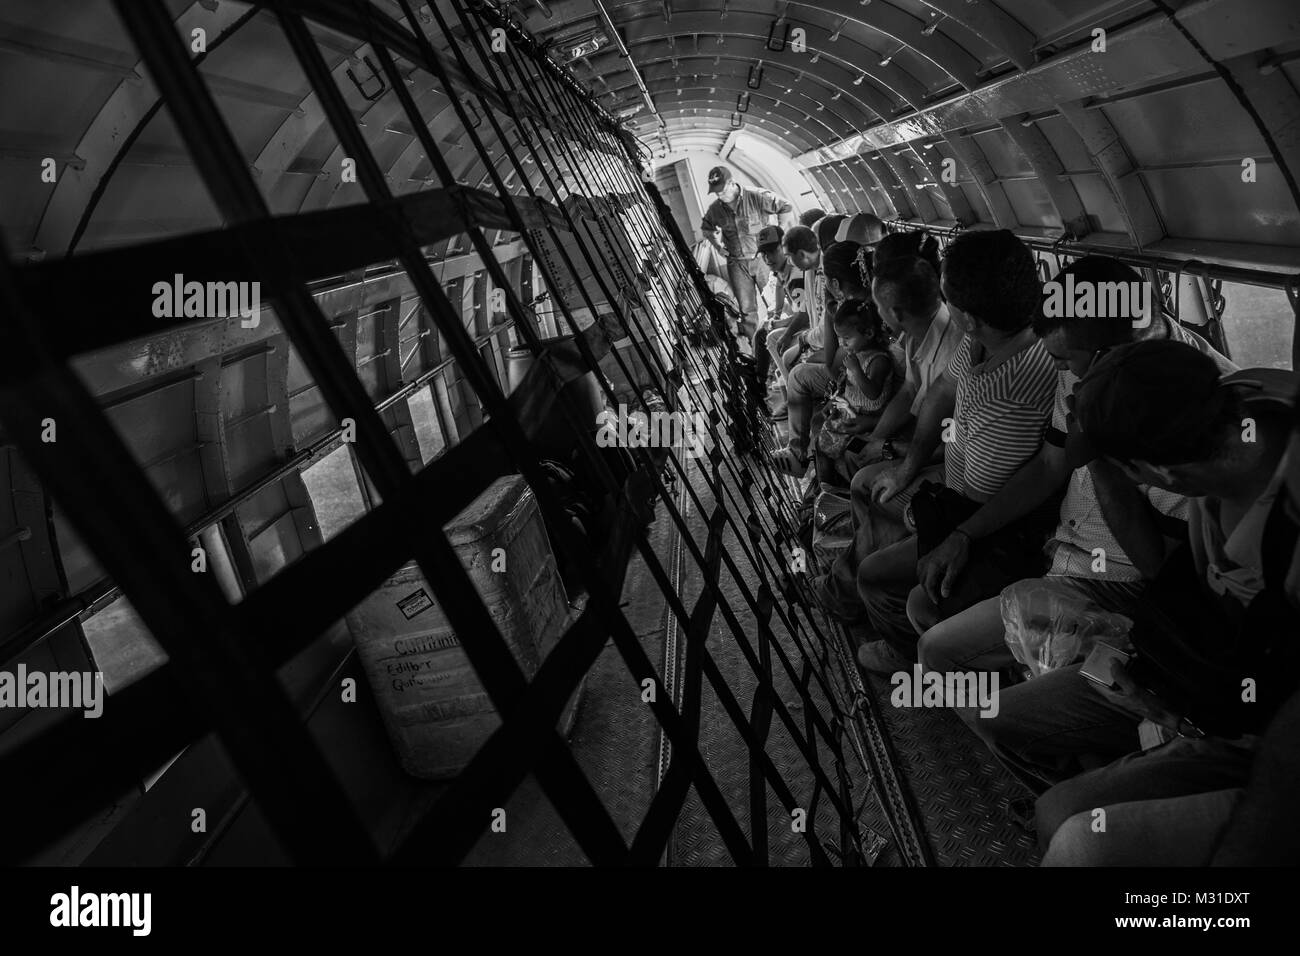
{"x":1050,"y":624}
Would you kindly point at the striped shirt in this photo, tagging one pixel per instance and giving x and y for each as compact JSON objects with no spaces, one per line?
{"x":999,"y":418}
{"x":1083,"y":527}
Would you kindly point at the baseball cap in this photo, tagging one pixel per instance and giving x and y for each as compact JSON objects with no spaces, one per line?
{"x":839,"y":261}
{"x":826,"y":228}
{"x":862,"y":228}
{"x":1146,"y":400}
{"x":769,"y":237}
{"x":719,"y":176}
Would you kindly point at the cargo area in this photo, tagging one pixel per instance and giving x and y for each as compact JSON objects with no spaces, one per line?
{"x":384,"y":431}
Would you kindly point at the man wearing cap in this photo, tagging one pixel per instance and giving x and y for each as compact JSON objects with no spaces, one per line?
{"x":740,"y":213}
{"x":1161,"y":413}
{"x":1259,"y":830}
{"x":863,"y":228}
{"x":973,"y":637}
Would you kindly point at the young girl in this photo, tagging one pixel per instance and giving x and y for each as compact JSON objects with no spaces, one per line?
{"x":868,"y":362}
{"x":870,"y":382}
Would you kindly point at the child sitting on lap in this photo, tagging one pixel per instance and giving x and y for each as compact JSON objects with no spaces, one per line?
{"x":869,"y":382}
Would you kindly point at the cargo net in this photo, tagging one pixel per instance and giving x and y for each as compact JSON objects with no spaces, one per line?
{"x":632,"y":305}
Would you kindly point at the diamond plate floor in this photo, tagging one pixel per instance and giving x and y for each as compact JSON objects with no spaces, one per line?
{"x":961,"y":791}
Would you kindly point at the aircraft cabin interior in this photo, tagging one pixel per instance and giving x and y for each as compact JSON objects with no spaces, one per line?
{"x":564,"y":433}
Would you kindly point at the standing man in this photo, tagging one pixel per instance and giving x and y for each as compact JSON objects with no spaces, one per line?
{"x":740,"y":213}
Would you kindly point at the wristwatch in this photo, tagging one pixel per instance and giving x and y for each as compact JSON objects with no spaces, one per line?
{"x":887,"y":450}
{"x":1185,"y":728}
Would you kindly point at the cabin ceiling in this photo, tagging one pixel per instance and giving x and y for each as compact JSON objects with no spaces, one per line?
{"x":1141,"y":145}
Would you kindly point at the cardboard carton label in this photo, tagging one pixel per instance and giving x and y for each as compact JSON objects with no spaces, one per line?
{"x":413,"y":604}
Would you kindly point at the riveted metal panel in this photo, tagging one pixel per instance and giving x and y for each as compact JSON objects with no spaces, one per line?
{"x":1184,"y":125}
{"x":1213,"y":201}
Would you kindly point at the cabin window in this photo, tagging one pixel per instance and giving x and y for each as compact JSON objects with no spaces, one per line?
{"x":335,"y":491}
{"x":428,"y":430}
{"x":1259,"y":325}
{"x":120,"y":644}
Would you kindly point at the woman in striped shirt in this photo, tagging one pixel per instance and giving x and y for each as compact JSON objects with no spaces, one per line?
{"x":990,"y":409}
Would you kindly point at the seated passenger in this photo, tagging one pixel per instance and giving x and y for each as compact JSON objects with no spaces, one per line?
{"x":868,"y":384}
{"x":843,"y":284}
{"x":1226,"y":443}
{"x":906,"y":292}
{"x":990,"y":407}
{"x":1084,"y":551}
{"x":810,"y":216}
{"x":769,"y":339}
{"x":1261,"y":830}
{"x":808,"y":381}
{"x":843,"y":281}
{"x":828,"y":227}
{"x":907,"y":245}
{"x":1160,"y":414}
{"x":864,"y":228}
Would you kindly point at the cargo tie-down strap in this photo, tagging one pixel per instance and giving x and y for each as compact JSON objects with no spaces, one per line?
{"x":606,"y":246}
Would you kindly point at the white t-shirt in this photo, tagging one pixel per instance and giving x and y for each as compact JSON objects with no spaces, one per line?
{"x":1083,"y":527}
{"x":925,"y":361}
{"x":814,"y":303}
{"x":1234,"y":564}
